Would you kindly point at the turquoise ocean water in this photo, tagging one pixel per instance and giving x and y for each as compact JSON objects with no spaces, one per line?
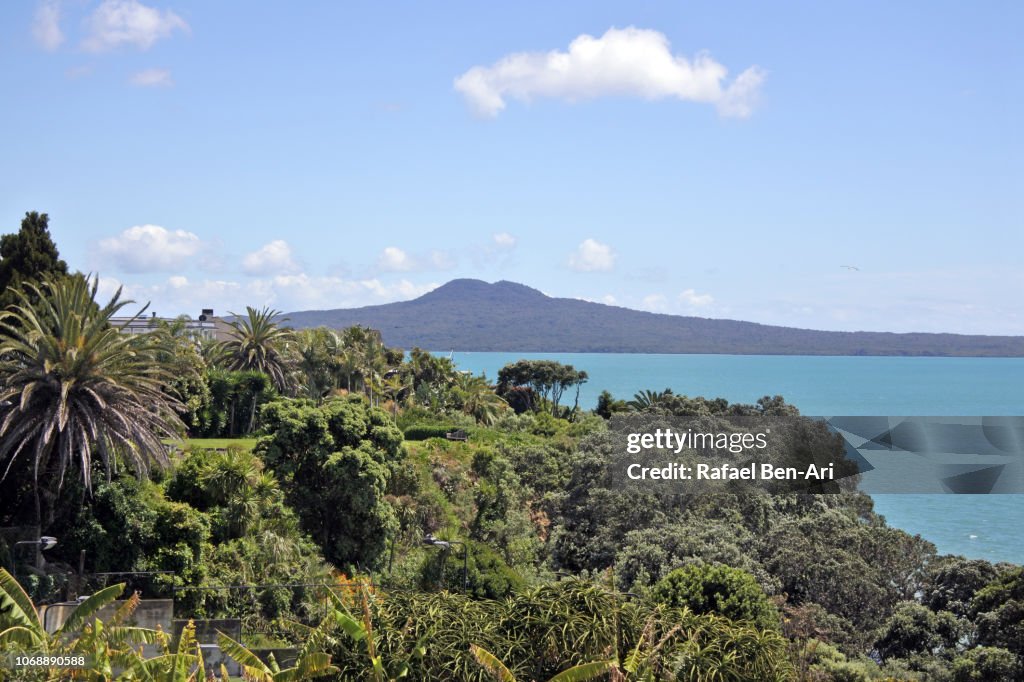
{"x":980,"y":526}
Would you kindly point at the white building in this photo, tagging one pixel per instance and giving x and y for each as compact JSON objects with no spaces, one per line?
{"x":206,"y":326}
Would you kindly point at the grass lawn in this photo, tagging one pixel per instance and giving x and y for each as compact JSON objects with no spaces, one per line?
{"x":217,"y":443}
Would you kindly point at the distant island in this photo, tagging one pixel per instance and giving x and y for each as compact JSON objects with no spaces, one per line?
{"x":472,"y":315}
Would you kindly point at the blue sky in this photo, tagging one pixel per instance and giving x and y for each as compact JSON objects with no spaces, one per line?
{"x":714,"y":159}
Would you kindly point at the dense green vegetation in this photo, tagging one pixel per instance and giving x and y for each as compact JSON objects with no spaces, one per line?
{"x":311,"y":529}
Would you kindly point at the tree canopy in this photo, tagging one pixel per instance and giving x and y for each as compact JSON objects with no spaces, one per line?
{"x":333,"y":460}
{"x":705,"y":588}
{"x":28,"y":255}
{"x":546,"y":378}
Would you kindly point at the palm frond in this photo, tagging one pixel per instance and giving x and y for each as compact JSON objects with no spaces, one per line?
{"x":16,"y":608}
{"x":252,"y":666}
{"x":585,"y":672}
{"x":90,"y":606}
{"x":491,"y":664}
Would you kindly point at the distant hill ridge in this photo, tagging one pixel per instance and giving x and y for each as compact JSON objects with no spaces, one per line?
{"x":472,"y":315}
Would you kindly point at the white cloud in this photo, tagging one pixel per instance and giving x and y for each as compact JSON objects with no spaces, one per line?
{"x":149,"y":248}
{"x":739,"y":99}
{"x":504,"y":240}
{"x":304,"y":292}
{"x":116,"y":23}
{"x":189,"y":298}
{"x":46,"y":25}
{"x":273,"y":258}
{"x":495,"y":253}
{"x":153,"y":78}
{"x":440,"y":260}
{"x":683,"y":304}
{"x":592,"y":256}
{"x":106,"y":288}
{"x":394,"y":259}
{"x":607,"y":299}
{"x":655,"y":303}
{"x":691,"y":298}
{"x":179,"y":295}
{"x":623,"y":62}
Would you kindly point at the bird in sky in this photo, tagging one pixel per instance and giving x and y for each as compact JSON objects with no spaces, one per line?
{"x":850,"y":267}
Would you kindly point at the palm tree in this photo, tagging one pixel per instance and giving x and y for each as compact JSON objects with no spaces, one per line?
{"x":236,"y":480}
{"x":397,"y":388}
{"x":353,"y":350}
{"x":374,"y":366}
{"x":349,"y":362}
{"x":316,"y":362}
{"x":433,"y":379}
{"x":72,"y":386}
{"x":213,"y":353}
{"x":258,"y":344}
{"x":479,"y":399}
{"x":647,"y":399}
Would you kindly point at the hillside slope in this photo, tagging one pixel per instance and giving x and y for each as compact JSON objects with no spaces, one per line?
{"x":472,"y":315}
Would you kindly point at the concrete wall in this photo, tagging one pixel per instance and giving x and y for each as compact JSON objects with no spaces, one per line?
{"x":206,"y":635}
{"x":151,"y":614}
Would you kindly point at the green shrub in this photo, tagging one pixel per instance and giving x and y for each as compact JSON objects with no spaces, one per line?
{"x":487,"y":574}
{"x":986,"y":663}
{"x":726,"y":591}
{"x":916,"y":629}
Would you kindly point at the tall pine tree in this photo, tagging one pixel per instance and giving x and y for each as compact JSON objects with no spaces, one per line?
{"x":27,"y":255}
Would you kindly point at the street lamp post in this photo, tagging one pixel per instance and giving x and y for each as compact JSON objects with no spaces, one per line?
{"x":446,"y":545}
{"x":45,"y":542}
{"x":42,"y":544}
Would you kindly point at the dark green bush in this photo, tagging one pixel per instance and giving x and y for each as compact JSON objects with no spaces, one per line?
{"x":487,"y":574}
{"x":726,"y":591}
